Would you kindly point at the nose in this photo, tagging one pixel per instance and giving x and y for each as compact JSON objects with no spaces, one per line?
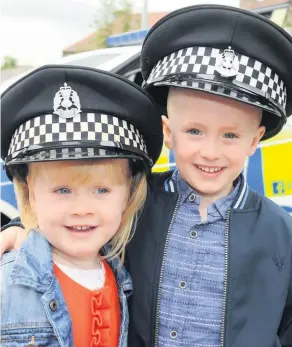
{"x":210,"y":149}
{"x":81,"y":205}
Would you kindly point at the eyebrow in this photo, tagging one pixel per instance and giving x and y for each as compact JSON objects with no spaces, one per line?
{"x":201,"y":125}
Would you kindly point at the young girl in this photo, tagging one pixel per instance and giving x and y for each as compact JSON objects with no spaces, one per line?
{"x":79,"y":168}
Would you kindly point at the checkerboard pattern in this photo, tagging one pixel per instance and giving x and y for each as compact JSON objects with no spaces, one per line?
{"x":67,"y":153}
{"x":202,"y":60}
{"x":103,"y":129}
{"x":220,"y":90}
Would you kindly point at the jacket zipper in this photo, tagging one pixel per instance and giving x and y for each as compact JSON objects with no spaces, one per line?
{"x":162,"y":272}
{"x":226,"y":267}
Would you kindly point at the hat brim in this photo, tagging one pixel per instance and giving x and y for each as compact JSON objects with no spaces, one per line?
{"x":273,"y":119}
{"x":84,"y":153}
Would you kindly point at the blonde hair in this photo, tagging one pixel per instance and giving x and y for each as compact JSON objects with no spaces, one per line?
{"x":82,"y":172}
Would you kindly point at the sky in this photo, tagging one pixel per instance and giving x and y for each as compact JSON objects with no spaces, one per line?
{"x":35,"y":31}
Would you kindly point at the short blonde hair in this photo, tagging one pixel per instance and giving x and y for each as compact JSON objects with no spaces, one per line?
{"x":84,"y":172}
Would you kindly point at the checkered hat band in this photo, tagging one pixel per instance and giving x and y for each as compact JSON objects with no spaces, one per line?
{"x":202,"y":60}
{"x":67,"y":153}
{"x":83,"y":127}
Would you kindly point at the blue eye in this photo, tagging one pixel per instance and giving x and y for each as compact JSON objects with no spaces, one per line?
{"x":230,"y":136}
{"x":63,"y":191}
{"x":195,"y":132}
{"x":101,"y":191}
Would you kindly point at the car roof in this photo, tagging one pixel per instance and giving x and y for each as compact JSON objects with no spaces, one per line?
{"x":109,"y":59}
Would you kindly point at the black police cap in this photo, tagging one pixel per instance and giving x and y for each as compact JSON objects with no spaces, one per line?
{"x":60,"y":112}
{"x":222,"y":50}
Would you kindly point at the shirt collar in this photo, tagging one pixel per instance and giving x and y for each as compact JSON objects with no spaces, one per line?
{"x":235,"y":199}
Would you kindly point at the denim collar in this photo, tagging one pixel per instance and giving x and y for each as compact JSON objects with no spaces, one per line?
{"x":33,"y":266}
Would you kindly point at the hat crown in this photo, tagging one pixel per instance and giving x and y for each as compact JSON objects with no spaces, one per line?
{"x":41,"y":113}
{"x":222,"y":50}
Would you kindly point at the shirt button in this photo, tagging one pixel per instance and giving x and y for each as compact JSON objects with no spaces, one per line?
{"x":193,"y":234}
{"x":173,"y":334}
{"x":53,"y":305}
{"x":192,"y":197}
{"x":182,"y":284}
{"x":32,"y":342}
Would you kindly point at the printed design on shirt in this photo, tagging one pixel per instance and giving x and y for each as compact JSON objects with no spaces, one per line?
{"x":101,"y":317}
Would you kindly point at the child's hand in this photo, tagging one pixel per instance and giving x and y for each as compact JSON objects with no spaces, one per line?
{"x":11,"y":238}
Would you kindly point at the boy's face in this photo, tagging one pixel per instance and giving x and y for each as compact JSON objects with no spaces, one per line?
{"x":79,"y":206}
{"x":211,"y":137}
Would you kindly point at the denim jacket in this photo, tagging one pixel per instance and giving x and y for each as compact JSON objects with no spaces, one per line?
{"x":33,"y":309}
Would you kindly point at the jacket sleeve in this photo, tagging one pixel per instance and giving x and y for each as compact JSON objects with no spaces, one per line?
{"x":16,"y":222}
{"x":133,"y":338}
{"x":285,"y":329}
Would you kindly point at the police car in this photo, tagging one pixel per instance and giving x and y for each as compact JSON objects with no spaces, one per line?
{"x":269,"y":171}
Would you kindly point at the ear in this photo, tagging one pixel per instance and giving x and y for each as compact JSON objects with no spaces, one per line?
{"x":255,"y":141}
{"x":167,"y":132}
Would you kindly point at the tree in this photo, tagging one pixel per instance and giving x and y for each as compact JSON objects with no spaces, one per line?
{"x":125,"y":15}
{"x":114,"y":16}
{"x":288,"y":19}
{"x":9,"y":63}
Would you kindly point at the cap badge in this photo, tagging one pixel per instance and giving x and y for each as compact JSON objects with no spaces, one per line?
{"x":227,"y":63}
{"x":66,"y":102}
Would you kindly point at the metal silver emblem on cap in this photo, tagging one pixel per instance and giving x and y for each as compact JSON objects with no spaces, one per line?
{"x":227,"y":63}
{"x":66,"y":102}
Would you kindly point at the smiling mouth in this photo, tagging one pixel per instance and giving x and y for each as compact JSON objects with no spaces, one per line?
{"x":209,"y":169}
{"x":79,"y":228}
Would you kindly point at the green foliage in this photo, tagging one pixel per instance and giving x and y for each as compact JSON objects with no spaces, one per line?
{"x":125,"y":15}
{"x":9,"y":63}
{"x":112,"y":13}
{"x":288,"y":19}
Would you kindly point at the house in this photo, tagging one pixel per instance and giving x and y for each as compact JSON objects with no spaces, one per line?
{"x":90,"y":42}
{"x":279,"y":11}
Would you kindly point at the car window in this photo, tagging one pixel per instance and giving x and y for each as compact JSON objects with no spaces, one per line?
{"x":135,"y":76}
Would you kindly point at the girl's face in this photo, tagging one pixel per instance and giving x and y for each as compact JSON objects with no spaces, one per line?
{"x":79,"y":205}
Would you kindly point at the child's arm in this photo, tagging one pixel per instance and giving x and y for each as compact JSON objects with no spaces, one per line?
{"x":14,"y":222}
{"x":12,"y":236}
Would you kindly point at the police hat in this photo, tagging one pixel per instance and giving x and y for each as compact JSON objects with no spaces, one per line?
{"x":63,"y":112}
{"x":222,"y":50}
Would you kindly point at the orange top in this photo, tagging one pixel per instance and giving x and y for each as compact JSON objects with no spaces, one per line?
{"x":95,"y":315}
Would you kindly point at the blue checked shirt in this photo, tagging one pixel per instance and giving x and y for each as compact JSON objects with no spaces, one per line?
{"x":191,"y":306}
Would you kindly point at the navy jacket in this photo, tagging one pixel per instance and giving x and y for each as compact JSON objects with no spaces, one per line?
{"x":258,"y":310}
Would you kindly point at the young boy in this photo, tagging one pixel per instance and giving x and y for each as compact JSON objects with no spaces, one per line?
{"x":215,"y":256}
